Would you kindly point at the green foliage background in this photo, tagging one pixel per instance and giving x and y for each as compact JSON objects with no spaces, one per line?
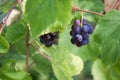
{"x":99,"y":60}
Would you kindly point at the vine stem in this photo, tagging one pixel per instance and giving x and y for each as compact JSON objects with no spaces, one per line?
{"x":77,"y":9}
{"x":27,"y":48}
{"x":81,"y":19}
{"x":115,"y":4}
{"x":40,"y":52}
{"x":20,"y":3}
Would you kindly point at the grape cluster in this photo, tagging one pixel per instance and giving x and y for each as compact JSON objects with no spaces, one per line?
{"x":49,"y":39}
{"x":80,"y":34}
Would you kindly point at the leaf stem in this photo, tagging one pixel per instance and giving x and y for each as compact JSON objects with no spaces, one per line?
{"x":20,"y":3}
{"x":77,"y":9}
{"x":81,"y":19}
{"x":27,"y":48}
{"x":40,"y":52}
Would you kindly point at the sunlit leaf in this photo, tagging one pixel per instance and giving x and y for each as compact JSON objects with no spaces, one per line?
{"x":42,"y":14}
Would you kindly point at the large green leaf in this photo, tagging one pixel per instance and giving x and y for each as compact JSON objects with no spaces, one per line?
{"x":98,"y":70}
{"x":17,"y":75}
{"x":64,"y":63}
{"x":107,"y":35}
{"x":41,"y":14}
{"x":70,"y":66}
{"x":108,"y":38}
{"x":4,"y":45}
{"x":15,"y":32}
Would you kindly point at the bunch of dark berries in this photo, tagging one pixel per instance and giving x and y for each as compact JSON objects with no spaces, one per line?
{"x":49,"y":39}
{"x":80,"y":34}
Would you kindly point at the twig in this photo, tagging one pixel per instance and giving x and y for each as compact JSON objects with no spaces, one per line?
{"x":115,"y":4}
{"x":107,"y":5}
{"x":1,"y":28}
{"x":3,"y":22}
{"x":77,"y":9}
{"x":27,"y":47}
{"x":41,"y":53}
{"x":20,"y":3}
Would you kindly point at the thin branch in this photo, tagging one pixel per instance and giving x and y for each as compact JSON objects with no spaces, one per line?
{"x":41,"y":53}
{"x":3,"y":22}
{"x":27,"y":47}
{"x":77,"y":9}
{"x":115,"y":4}
{"x":107,"y":5}
{"x":20,"y":3}
{"x":1,"y":28}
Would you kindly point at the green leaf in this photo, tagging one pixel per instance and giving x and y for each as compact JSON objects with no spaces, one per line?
{"x":70,"y":66}
{"x":61,"y":72}
{"x":9,"y":72}
{"x":98,"y":70}
{"x":17,"y":75}
{"x":113,"y":71}
{"x":108,"y":38}
{"x":76,"y":64}
{"x":41,"y":14}
{"x":21,"y":47}
{"x":64,"y":64}
{"x":15,"y":32}
{"x":41,"y":64}
{"x":107,"y":35}
{"x":5,"y":5}
{"x":4,"y":45}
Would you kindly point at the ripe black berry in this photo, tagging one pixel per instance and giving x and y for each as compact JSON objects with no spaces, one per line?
{"x":49,"y":39}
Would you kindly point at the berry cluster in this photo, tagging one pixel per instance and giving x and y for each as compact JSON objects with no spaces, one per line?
{"x":80,"y":35}
{"x":49,"y":39}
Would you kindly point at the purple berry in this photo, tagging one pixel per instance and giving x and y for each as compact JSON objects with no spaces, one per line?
{"x":84,"y":21}
{"x":72,"y":33}
{"x":73,"y":41}
{"x":85,"y":36}
{"x":85,"y":29}
{"x":85,"y":42}
{"x":73,"y":27}
{"x":77,"y":22}
{"x":77,"y":30}
{"x":79,"y":38}
{"x":79,"y":44}
{"x":41,"y":40}
{"x":48,"y":44}
{"x":90,"y":29}
{"x":49,"y":39}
